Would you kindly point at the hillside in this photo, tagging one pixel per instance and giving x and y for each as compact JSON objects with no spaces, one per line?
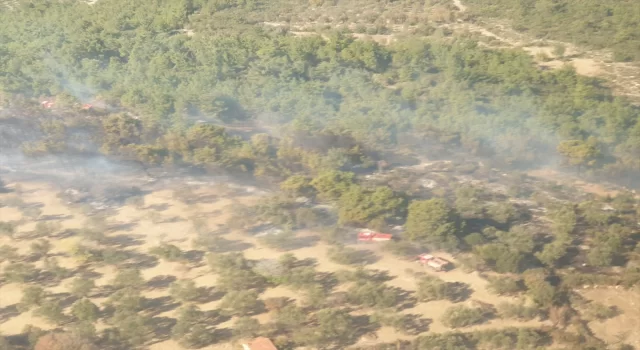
{"x":181,"y":174}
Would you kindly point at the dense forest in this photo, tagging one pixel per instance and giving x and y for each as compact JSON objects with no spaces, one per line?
{"x":612,"y":24}
{"x":174,"y":62}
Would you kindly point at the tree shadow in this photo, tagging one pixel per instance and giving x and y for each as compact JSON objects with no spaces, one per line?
{"x":55,"y":217}
{"x":222,"y":335}
{"x":460,"y":292}
{"x":124,"y":240}
{"x":193,"y":256}
{"x":161,"y":282}
{"x":125,"y":226}
{"x":363,"y":326}
{"x":140,"y":261}
{"x":302,"y":242}
{"x":156,"y":306}
{"x":365,"y":257}
{"x":406,"y":299}
{"x":209,"y":294}
{"x":417,"y":324}
{"x":65,"y":299}
{"x":327,"y":279}
{"x":214,"y":317}
{"x":162,"y":327}
{"x":159,"y":207}
{"x":8,"y":312}
{"x":223,"y":245}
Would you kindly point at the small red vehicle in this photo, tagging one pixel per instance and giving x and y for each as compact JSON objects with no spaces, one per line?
{"x":433,"y":262}
{"x":372,"y":236}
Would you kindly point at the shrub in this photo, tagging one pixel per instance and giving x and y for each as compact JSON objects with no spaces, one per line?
{"x":85,"y":310}
{"x":502,"y":285}
{"x":31,"y":296}
{"x":373,"y":294}
{"x":128,"y":278}
{"x":52,"y":311}
{"x":20,"y":272}
{"x":517,"y":311}
{"x":7,"y":228}
{"x":185,"y":291}
{"x":242,"y":302}
{"x":167,"y":252}
{"x":81,"y":286}
{"x":246,"y":327}
{"x":432,"y":288}
{"x":343,"y":255}
{"x":191,"y":329}
{"x":462,"y":316}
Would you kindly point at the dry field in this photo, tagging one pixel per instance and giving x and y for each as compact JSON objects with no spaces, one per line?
{"x":163,"y":218}
{"x":139,"y":231}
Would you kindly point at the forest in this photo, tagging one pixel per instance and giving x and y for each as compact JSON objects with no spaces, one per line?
{"x":141,"y":57}
{"x":603,"y":25}
{"x":173,"y":84}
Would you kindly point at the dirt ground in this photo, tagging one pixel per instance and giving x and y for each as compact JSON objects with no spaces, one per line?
{"x":624,"y":327}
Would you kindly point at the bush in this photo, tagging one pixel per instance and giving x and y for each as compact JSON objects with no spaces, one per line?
{"x":81,"y":286}
{"x":190,"y":329}
{"x":520,"y":312}
{"x":246,"y":327}
{"x":7,"y":228}
{"x":167,"y":252}
{"x":373,"y":294}
{"x":343,"y":255}
{"x":503,"y":285}
{"x":600,"y":312}
{"x":128,"y":278}
{"x":185,"y":291}
{"x":85,"y":310}
{"x":20,"y":272}
{"x":52,"y":311}
{"x":31,"y":296}
{"x":46,"y":228}
{"x":279,"y":241}
{"x":432,"y":288}
{"x":241,"y":302}
{"x":8,"y":253}
{"x":462,"y":316}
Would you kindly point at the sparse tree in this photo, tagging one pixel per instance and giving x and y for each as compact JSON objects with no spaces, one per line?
{"x":85,"y":310}
{"x":432,"y":221}
{"x":504,"y":285}
{"x":40,"y":248}
{"x":343,"y":255}
{"x":46,"y":228}
{"x":167,"y":252}
{"x":246,"y":327}
{"x":52,"y":311}
{"x":31,"y":296}
{"x":290,"y":317}
{"x":332,"y":328}
{"x":190,"y":329}
{"x":20,"y":272}
{"x":185,"y":291}
{"x":81,"y":287}
{"x":242,"y":302}
{"x":131,"y":278}
{"x":132,"y":327}
{"x":7,"y":229}
{"x":7,"y":253}
{"x":462,"y":316}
